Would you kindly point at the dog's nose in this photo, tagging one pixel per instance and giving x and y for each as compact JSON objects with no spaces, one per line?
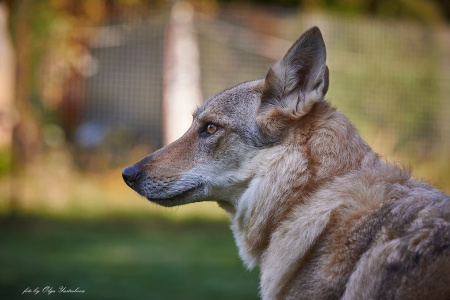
{"x":130,"y":175}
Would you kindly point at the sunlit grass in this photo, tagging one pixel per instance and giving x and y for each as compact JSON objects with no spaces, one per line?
{"x":122,"y":258}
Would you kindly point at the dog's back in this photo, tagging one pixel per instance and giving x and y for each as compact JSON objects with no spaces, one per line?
{"x":387,"y":238}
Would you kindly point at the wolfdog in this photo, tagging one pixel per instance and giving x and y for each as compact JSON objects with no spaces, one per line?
{"x":309,"y":201}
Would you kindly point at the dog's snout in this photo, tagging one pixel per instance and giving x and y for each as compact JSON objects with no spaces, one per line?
{"x":130,"y":175}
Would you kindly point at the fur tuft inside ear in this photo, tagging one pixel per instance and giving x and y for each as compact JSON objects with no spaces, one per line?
{"x":300,"y":79}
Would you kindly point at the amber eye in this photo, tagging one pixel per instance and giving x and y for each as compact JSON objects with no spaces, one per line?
{"x":211,"y":128}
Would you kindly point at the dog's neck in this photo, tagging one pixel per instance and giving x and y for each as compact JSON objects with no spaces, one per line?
{"x":288,"y":173}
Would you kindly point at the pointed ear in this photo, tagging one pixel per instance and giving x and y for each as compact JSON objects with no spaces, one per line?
{"x":300,"y":79}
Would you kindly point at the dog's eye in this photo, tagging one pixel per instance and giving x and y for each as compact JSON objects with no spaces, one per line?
{"x":209,"y":129}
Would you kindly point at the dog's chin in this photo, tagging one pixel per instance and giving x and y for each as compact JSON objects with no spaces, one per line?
{"x":185,"y":197}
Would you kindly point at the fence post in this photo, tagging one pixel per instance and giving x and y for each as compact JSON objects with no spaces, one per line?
{"x":181,"y":78}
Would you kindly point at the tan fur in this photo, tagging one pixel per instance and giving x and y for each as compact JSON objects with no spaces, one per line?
{"x":309,"y":201}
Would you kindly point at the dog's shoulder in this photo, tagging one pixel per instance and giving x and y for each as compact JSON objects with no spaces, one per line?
{"x":402,"y":247}
{"x":375,"y":225}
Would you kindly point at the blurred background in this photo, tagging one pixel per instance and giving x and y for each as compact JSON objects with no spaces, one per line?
{"x":86,"y":87}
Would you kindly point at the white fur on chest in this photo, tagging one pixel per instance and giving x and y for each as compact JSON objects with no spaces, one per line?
{"x":274,"y":173}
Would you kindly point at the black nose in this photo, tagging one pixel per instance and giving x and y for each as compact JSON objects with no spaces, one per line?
{"x":130,"y":175}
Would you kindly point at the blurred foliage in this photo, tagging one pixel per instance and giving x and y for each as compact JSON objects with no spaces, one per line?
{"x":426,"y":11}
{"x":51,"y":39}
{"x":58,"y":37}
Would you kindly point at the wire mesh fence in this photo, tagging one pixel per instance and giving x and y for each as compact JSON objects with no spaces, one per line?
{"x":122,"y":104}
{"x":391,"y":78}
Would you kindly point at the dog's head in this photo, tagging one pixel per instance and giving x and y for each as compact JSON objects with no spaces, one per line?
{"x":220,"y":153}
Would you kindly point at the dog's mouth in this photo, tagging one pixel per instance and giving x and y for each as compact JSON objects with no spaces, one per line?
{"x":171,"y":198}
{"x":178,"y":191}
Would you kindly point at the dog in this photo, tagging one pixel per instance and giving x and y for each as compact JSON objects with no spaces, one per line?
{"x":309,"y":201}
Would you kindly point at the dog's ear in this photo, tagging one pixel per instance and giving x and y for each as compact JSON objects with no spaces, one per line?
{"x":300,"y":79}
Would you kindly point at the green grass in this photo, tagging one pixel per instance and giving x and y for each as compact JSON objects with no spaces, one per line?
{"x":122,"y":259}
